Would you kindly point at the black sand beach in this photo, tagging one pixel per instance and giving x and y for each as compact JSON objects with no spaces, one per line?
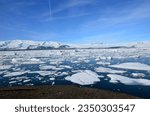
{"x":59,"y":92}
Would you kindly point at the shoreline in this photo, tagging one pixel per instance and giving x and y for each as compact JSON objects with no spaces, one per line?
{"x":60,"y":92}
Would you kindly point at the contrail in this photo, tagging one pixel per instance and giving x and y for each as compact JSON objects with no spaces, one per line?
{"x":50,"y":8}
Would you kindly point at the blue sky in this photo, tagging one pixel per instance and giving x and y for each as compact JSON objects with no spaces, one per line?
{"x":75,"y":21}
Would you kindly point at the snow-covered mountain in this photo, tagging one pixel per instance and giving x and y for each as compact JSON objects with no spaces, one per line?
{"x":41,"y":45}
{"x":27,"y":44}
{"x":142,"y":44}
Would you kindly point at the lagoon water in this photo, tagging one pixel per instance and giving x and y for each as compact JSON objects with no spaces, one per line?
{"x":53,"y":72}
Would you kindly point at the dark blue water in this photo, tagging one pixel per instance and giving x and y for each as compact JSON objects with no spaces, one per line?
{"x":37,"y":79}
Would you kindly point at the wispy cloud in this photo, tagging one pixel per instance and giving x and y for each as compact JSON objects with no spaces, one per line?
{"x":65,"y":17}
{"x":69,"y":4}
{"x":72,"y":4}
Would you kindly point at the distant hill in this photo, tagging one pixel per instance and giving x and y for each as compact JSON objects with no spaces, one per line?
{"x":30,"y":45}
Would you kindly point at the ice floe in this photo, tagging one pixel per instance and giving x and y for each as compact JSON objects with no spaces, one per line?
{"x":2,"y":72}
{"x":12,"y":74}
{"x":138,"y":74}
{"x":65,"y":66}
{"x":53,"y":83}
{"x":128,"y":81}
{"x":108,"y":70}
{"x":26,"y":61}
{"x":5,"y":67}
{"x":50,"y":67}
{"x":86,"y":77}
{"x":51,"y":79}
{"x":132,"y":66}
{"x":12,"y":82}
{"x":103,"y":63}
{"x":42,"y":73}
{"x":26,"y":81}
{"x":19,"y":78}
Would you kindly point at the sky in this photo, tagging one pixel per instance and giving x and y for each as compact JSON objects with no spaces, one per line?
{"x":75,"y":21}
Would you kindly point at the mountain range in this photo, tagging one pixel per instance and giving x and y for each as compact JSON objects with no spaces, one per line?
{"x":44,"y":45}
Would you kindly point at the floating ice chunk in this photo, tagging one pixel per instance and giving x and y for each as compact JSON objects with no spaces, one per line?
{"x":29,"y":84}
{"x":128,"y":81}
{"x":2,"y":72}
{"x":16,"y":69}
{"x":138,"y":75}
{"x":5,"y":67}
{"x":20,"y":78}
{"x":76,"y":61}
{"x":12,"y":82}
{"x":63,"y":73}
{"x":52,"y":79}
{"x":103,"y":58}
{"x":25,"y":81}
{"x":43,"y":73}
{"x":26,"y":61}
{"x":39,"y":77}
{"x":14,"y":60}
{"x":35,"y":60}
{"x":53,"y":83}
{"x":66,"y":66}
{"x":15,"y":73}
{"x":108,"y":70}
{"x":103,"y":63}
{"x":86,"y":61}
{"x":46,"y":67}
{"x":109,"y":57}
{"x":132,"y":66}
{"x":56,"y":62}
{"x":86,"y":77}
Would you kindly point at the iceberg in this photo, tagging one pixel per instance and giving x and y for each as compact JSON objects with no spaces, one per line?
{"x":86,"y":77}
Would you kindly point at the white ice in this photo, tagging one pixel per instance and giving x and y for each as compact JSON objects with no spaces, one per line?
{"x":12,"y":82}
{"x":108,"y":70}
{"x":5,"y":67}
{"x":11,"y":74}
{"x":46,"y":67}
{"x":132,"y":66}
{"x":52,"y":79}
{"x":28,"y":80}
{"x":138,"y":74}
{"x":26,"y":61}
{"x":43,"y":73}
{"x":128,"y":81}
{"x":86,"y":77}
